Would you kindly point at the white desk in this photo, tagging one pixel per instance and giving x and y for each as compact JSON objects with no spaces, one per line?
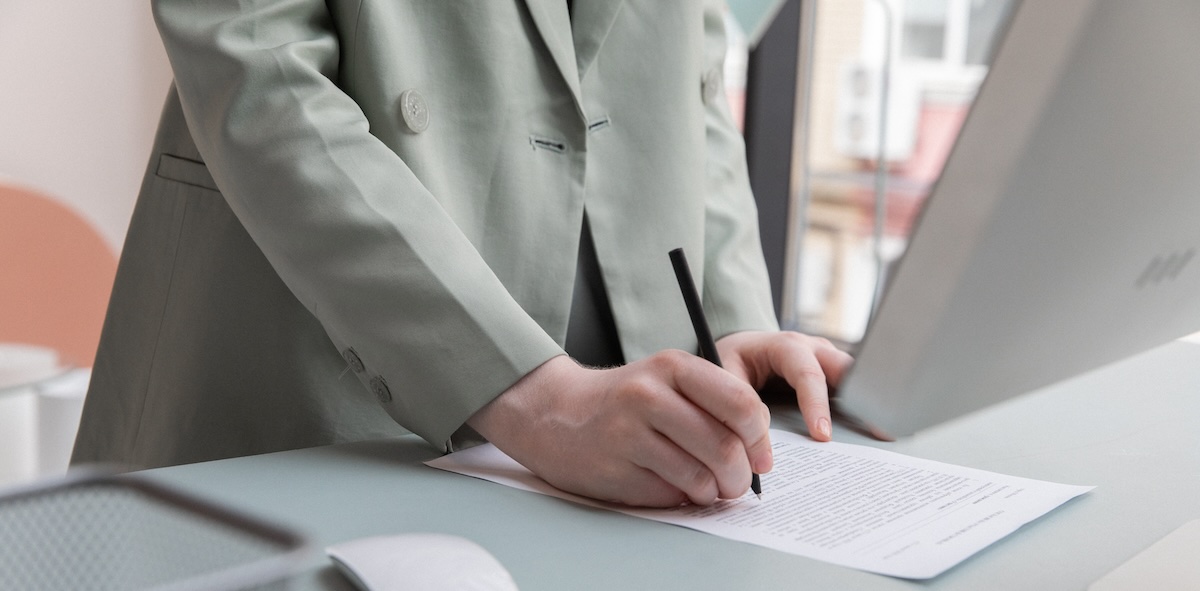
{"x":1133,"y":429}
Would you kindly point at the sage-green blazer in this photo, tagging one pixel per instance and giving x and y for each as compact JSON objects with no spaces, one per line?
{"x":364,"y":214}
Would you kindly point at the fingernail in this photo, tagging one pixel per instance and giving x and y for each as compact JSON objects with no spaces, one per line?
{"x":823,"y":428}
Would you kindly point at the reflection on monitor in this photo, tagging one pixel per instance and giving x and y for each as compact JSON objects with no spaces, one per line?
{"x":1063,"y":233}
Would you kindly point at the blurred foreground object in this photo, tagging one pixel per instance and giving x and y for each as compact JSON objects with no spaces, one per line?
{"x":96,"y":531}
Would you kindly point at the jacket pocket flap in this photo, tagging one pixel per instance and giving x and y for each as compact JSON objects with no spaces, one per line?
{"x":183,"y":170}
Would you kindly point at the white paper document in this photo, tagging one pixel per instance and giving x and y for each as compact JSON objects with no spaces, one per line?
{"x":852,"y":505}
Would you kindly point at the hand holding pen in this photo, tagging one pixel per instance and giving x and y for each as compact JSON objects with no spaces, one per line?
{"x":665,"y":429}
{"x":809,"y":365}
{"x":708,"y":347}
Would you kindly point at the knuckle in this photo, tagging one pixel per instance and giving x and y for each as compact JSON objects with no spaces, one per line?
{"x":745,"y":402}
{"x":672,"y":497}
{"x":701,"y":484}
{"x":797,"y":340}
{"x":638,"y":389}
{"x":793,"y":338}
{"x":809,"y":370}
{"x":730,"y":449}
{"x":672,"y":359}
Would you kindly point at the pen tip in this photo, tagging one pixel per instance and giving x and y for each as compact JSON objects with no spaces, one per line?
{"x":759,"y":495}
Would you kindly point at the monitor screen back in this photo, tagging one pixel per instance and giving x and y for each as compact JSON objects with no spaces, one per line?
{"x":1065,"y":229}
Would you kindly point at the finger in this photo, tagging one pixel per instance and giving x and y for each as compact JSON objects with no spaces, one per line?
{"x":644,"y":487}
{"x":799,"y":364}
{"x":733,"y":362}
{"x":835,"y":362}
{"x":719,"y":451}
{"x":730,"y":401}
{"x":680,"y":469}
{"x":628,"y":484}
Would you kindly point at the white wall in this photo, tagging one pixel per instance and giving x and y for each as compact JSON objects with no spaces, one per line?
{"x":81,"y":86}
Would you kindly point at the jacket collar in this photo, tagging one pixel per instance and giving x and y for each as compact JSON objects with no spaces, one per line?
{"x":593,"y":20}
{"x":574,"y":48}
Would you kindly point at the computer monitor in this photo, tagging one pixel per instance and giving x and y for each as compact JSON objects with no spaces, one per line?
{"x":1064,"y":230}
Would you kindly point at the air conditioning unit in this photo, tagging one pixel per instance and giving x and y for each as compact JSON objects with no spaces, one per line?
{"x":856,"y":132}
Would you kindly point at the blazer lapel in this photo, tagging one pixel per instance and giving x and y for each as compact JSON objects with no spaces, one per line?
{"x":554,"y":24}
{"x":593,"y":20}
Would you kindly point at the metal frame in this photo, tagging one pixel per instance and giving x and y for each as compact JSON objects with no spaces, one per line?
{"x":294,"y":549}
{"x":772,"y":89}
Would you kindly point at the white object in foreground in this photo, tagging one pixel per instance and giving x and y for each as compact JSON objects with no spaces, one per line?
{"x":851,"y":505}
{"x":428,"y":561}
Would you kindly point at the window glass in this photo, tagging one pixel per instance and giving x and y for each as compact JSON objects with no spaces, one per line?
{"x":846,"y":233}
{"x":924,"y":30}
{"x":985,"y":25}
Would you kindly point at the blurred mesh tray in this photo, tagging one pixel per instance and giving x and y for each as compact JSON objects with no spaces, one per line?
{"x":100,"y":531}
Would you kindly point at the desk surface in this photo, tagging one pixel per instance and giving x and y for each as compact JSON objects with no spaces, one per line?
{"x":1131,"y":429}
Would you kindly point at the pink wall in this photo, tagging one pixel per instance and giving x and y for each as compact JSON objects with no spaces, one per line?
{"x":81,"y":85}
{"x":57,"y":273}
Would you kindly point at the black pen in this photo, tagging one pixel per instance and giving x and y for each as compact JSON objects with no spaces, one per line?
{"x":708,"y":347}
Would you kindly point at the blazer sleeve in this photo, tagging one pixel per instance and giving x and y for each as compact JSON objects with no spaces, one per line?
{"x":737,"y":290}
{"x":344,"y":222}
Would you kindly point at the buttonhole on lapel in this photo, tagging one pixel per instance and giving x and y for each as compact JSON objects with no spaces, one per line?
{"x":598,"y":124}
{"x":547,"y":144}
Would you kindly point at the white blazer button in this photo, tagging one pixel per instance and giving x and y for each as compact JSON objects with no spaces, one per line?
{"x":380,"y":388}
{"x":413,"y":111}
{"x":353,"y":361}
